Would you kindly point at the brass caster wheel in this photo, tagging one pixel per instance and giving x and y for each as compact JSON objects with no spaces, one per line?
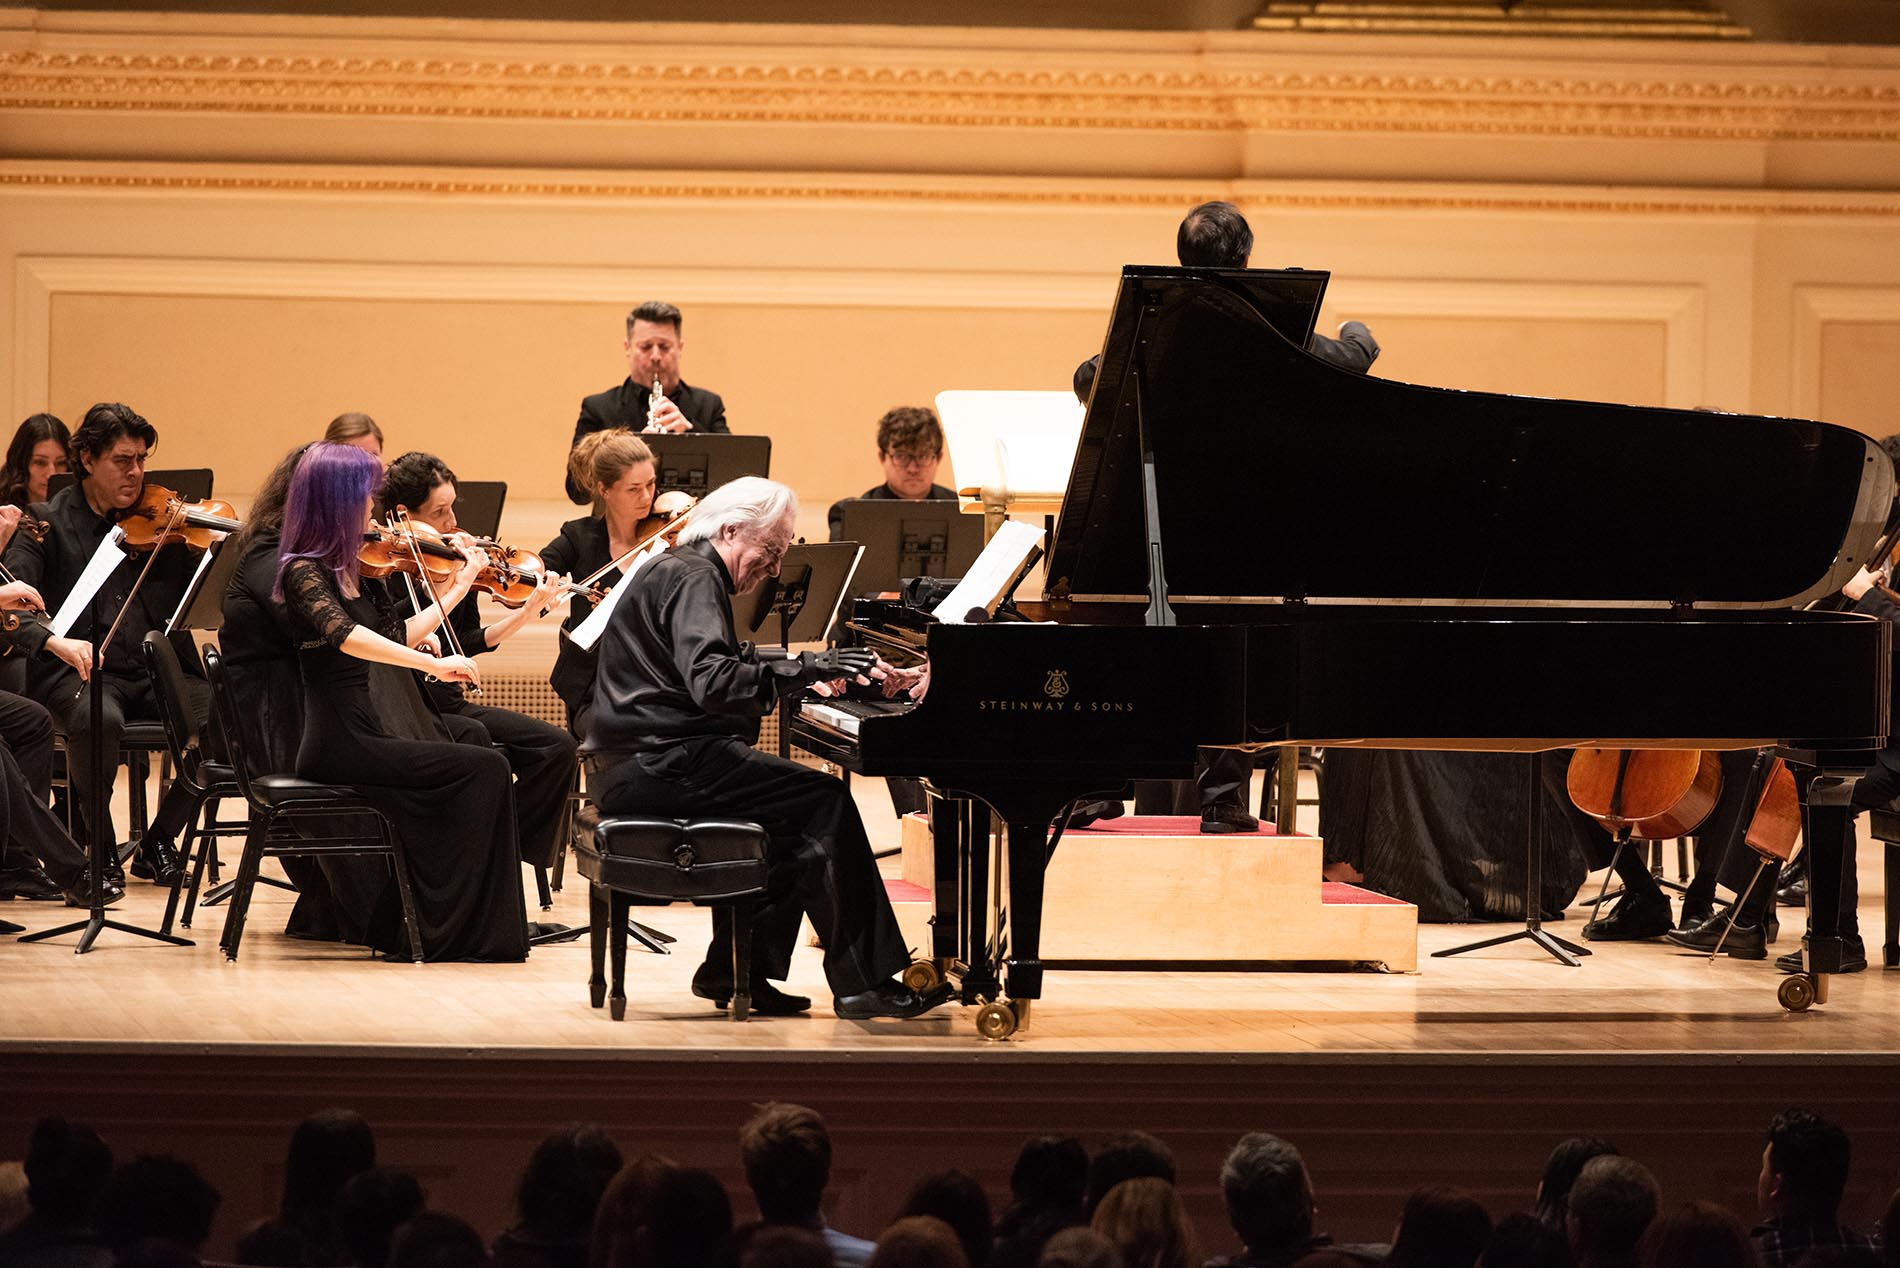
{"x":922,"y":976}
{"x":1796,"y":994}
{"x":996,"y":1021}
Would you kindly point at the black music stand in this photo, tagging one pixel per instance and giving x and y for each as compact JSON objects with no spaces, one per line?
{"x":800,"y":603}
{"x":1565,"y":952}
{"x":98,"y":849}
{"x":699,"y":464}
{"x":478,"y":506}
{"x":909,"y":539}
{"x":193,"y":484}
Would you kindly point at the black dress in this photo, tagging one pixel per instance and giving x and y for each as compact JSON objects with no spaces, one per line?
{"x":451,"y":804}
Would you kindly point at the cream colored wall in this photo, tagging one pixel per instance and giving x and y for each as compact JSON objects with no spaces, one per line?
{"x":245,"y":225}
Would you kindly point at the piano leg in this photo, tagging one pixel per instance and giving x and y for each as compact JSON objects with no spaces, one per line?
{"x":1028,"y":859}
{"x":1829,"y":826}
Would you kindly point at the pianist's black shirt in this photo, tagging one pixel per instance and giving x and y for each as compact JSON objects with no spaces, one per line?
{"x":671,"y":666}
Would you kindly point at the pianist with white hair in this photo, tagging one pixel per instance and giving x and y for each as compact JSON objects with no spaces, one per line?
{"x":677,"y":706}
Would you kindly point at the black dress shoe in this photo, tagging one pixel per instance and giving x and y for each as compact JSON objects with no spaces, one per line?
{"x":1227,"y":818}
{"x":1087,"y":812}
{"x":1631,"y":921}
{"x":157,"y":861}
{"x":1694,"y":914}
{"x":30,"y":882}
{"x":1744,"y":942}
{"x":1793,"y":892}
{"x":79,"y":893}
{"x":1853,"y":958}
{"x":767,"y":999}
{"x":888,"y":999}
{"x":542,"y":932}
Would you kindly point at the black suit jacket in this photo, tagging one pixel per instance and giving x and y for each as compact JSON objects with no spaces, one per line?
{"x":53,"y":568}
{"x":626,"y":406}
{"x":1354,"y":350}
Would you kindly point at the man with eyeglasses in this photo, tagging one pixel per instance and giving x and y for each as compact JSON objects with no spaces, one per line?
{"x":110,"y":450}
{"x":910,"y":447}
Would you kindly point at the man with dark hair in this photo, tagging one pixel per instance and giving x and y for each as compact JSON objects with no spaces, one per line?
{"x":1214,"y":235}
{"x":1128,"y":1156}
{"x":910,"y":448}
{"x":690,"y":1218}
{"x":1048,"y":1190}
{"x":1803,"y":1175}
{"x":157,"y":1198}
{"x":109,"y":453}
{"x":1269,"y":1202}
{"x":372,"y":1206}
{"x":1611,"y":1204}
{"x":653,"y":348}
{"x":787,"y":1155}
{"x":67,"y":1166}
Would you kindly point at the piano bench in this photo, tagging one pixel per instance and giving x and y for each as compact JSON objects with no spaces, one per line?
{"x":1884,"y":826}
{"x":653,"y":862}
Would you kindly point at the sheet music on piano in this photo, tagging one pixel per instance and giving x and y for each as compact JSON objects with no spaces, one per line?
{"x":1010,"y":553}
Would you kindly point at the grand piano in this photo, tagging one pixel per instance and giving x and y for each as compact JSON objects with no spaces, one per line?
{"x":1259,"y":548}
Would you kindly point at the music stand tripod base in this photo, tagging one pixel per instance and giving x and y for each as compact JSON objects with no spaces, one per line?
{"x":1565,"y":952}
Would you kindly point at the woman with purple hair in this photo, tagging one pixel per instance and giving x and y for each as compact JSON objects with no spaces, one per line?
{"x":451,"y":804}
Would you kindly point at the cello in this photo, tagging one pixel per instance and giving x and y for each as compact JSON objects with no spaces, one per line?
{"x":1648,"y":794}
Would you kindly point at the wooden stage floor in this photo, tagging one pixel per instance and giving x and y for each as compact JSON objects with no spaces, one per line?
{"x":1473,"y":1066}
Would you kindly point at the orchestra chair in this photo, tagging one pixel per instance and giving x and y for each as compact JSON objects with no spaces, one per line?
{"x":1884,"y":826}
{"x":209,"y":782}
{"x":657,"y":862}
{"x":279,"y":803}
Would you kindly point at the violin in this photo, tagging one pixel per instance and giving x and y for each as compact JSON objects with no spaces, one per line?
{"x":37,"y":529}
{"x":1649,"y":794}
{"x":160,"y":518}
{"x":659,"y":530}
{"x":511,"y":575}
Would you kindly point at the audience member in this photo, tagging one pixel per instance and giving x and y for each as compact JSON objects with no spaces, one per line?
{"x":787,"y":1155}
{"x":689,"y":1218}
{"x":1803,"y":1175}
{"x":1440,"y":1228}
{"x":623,"y":1213}
{"x":1149,"y":1226}
{"x":1611,"y":1205}
{"x":1890,"y":1230}
{"x":763,"y":1245}
{"x":1560,"y":1172}
{"x":1269,"y":1202}
{"x":956,"y":1198}
{"x":372,"y":1206}
{"x":157,"y":1197}
{"x":1129,"y":1156}
{"x":1526,"y":1240}
{"x":435,"y":1240}
{"x":326,"y":1149}
{"x":559,"y":1191}
{"x":1698,"y":1235}
{"x":1048,"y":1189}
{"x":13,"y":1207}
{"x":1080,"y":1247}
{"x":919,"y":1241}
{"x":67,"y":1166}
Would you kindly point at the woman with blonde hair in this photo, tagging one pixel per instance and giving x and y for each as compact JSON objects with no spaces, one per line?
{"x":1145,"y":1220}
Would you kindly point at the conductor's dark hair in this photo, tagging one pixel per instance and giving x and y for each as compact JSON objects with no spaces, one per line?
{"x":104,"y":426}
{"x":1811,"y":1155}
{"x":657,"y":311}
{"x":787,"y":1156}
{"x":1214,"y":235}
{"x":410,"y":480}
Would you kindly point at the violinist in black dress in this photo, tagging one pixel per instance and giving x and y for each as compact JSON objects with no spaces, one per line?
{"x":451,"y":804}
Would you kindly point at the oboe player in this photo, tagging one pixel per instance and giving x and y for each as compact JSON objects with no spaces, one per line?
{"x":653,"y":347}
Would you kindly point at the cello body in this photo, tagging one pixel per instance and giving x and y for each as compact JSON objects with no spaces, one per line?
{"x":1650,"y":794}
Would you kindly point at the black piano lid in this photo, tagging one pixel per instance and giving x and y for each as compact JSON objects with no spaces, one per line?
{"x":1279,"y":476}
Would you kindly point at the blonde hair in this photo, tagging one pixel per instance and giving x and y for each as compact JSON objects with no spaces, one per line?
{"x":1148,"y":1224}
{"x":352,"y":426}
{"x":602,"y":457}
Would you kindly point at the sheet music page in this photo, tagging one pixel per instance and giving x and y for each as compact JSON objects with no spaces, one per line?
{"x":1003,"y":560}
{"x":177,"y":618}
{"x":104,"y":560}
{"x":588,"y":632}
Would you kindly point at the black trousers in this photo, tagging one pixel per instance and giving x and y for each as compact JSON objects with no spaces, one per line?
{"x":127,"y":698}
{"x":820,"y":859}
{"x":542,"y":757}
{"x":1221,"y":776}
{"x":30,"y":831}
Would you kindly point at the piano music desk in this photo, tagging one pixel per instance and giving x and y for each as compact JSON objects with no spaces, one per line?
{"x":1154,"y":889}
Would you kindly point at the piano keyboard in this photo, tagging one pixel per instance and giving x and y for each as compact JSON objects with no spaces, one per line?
{"x":845,"y":715}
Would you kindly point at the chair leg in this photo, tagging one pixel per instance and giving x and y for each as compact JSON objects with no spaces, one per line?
{"x":597,"y":918}
{"x":617,"y":930}
{"x":1890,"y":953}
{"x":541,"y":888}
{"x":400,"y":863}
{"x":178,"y":882}
{"x":741,"y":962}
{"x":241,"y":888}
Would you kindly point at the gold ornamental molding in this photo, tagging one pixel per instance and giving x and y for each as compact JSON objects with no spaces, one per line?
{"x":1231,"y":83}
{"x":27,"y":177}
{"x":1595,"y":19}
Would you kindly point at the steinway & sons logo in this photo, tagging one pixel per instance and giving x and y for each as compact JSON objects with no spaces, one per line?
{"x":1056,"y":698}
